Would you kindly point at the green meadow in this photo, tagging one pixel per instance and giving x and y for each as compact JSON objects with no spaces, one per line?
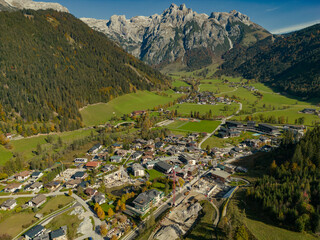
{"x":185,"y":126}
{"x":217,"y":110}
{"x":142,"y":100}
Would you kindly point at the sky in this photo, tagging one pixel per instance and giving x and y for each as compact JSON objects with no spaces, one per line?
{"x":277,"y":16}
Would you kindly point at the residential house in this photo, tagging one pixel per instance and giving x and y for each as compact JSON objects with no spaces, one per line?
{"x":36,"y":175}
{"x":53,"y":185}
{"x":80,"y":160}
{"x":22,"y":176}
{"x":144,"y":200}
{"x":135,"y":156}
{"x":95,"y":148}
{"x":35,"y":187}
{"x":116,"y":159}
{"x":93,"y":165}
{"x":37,"y":201}
{"x":90,"y":192}
{"x":12,"y":187}
{"x":137,"y":170}
{"x":121,"y":152}
{"x":59,"y":234}
{"x":117,"y":145}
{"x":99,"y":198}
{"x":34,"y":232}
{"x":309,"y":111}
{"x":8,"y":204}
{"x":73,"y":183}
{"x":79,"y":175}
{"x":149,"y":165}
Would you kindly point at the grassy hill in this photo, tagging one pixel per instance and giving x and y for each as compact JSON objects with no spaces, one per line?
{"x":142,"y":100}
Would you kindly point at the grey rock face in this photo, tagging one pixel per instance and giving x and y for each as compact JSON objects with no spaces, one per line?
{"x":29,"y":4}
{"x":179,"y":33}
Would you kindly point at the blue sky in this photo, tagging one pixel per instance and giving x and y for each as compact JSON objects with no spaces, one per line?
{"x":276,"y":16}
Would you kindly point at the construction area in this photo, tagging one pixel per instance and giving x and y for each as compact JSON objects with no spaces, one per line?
{"x":181,"y":219}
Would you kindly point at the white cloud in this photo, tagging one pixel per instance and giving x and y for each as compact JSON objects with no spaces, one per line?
{"x":272,"y":9}
{"x":294,"y":27}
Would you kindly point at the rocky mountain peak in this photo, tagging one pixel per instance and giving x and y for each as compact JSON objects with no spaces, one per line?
{"x":179,"y":34}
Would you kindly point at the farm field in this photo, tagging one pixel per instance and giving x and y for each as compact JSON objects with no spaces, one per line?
{"x":215,"y":141}
{"x":142,"y":100}
{"x":202,"y":126}
{"x":217,"y":110}
{"x":263,"y":231}
{"x":215,"y":86}
{"x":54,"y":203}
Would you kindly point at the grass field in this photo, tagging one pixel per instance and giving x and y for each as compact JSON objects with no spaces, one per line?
{"x":53,"y":204}
{"x":292,"y":114}
{"x":215,"y":86}
{"x":71,"y":221}
{"x":217,"y":110}
{"x":154,"y":174}
{"x":204,"y":228}
{"x":5,"y":155}
{"x":142,"y":100}
{"x":263,"y":231}
{"x":178,"y":83}
{"x":202,"y":126}
{"x":215,"y":141}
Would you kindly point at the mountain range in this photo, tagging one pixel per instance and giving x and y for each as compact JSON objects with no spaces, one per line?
{"x":289,"y":62}
{"x":10,"y":5}
{"x":180,"y":35}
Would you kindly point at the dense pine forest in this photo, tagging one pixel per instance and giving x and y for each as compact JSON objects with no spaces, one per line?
{"x":289,"y":63}
{"x":52,"y":64}
{"x":290,"y":193}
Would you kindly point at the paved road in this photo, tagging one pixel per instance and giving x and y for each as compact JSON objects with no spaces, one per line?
{"x":223,"y":121}
{"x":33,"y":195}
{"x":216,"y":221}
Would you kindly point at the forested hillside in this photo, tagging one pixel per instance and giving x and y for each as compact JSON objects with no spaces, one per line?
{"x":289,"y":63}
{"x":52,"y":64}
{"x":290,"y":193}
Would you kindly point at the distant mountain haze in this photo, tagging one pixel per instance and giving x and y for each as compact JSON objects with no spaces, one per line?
{"x":180,"y":34}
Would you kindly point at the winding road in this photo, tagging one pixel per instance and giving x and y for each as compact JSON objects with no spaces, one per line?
{"x":223,"y":121}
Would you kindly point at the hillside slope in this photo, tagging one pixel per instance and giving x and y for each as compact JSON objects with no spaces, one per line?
{"x":180,"y":34}
{"x":289,"y":63}
{"x":52,"y":64}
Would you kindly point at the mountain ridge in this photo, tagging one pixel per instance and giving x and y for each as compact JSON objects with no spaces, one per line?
{"x":180,"y":34}
{"x":290,"y":62}
{"x":30,"y":4}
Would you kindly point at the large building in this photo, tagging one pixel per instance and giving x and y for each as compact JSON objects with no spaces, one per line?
{"x":163,"y":167}
{"x":266,"y":128}
{"x":137,"y":170}
{"x":144,"y":200}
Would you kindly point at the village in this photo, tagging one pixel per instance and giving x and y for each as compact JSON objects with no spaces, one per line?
{"x":122,"y":186}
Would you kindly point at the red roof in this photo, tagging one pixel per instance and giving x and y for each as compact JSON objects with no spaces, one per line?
{"x":92,"y":164}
